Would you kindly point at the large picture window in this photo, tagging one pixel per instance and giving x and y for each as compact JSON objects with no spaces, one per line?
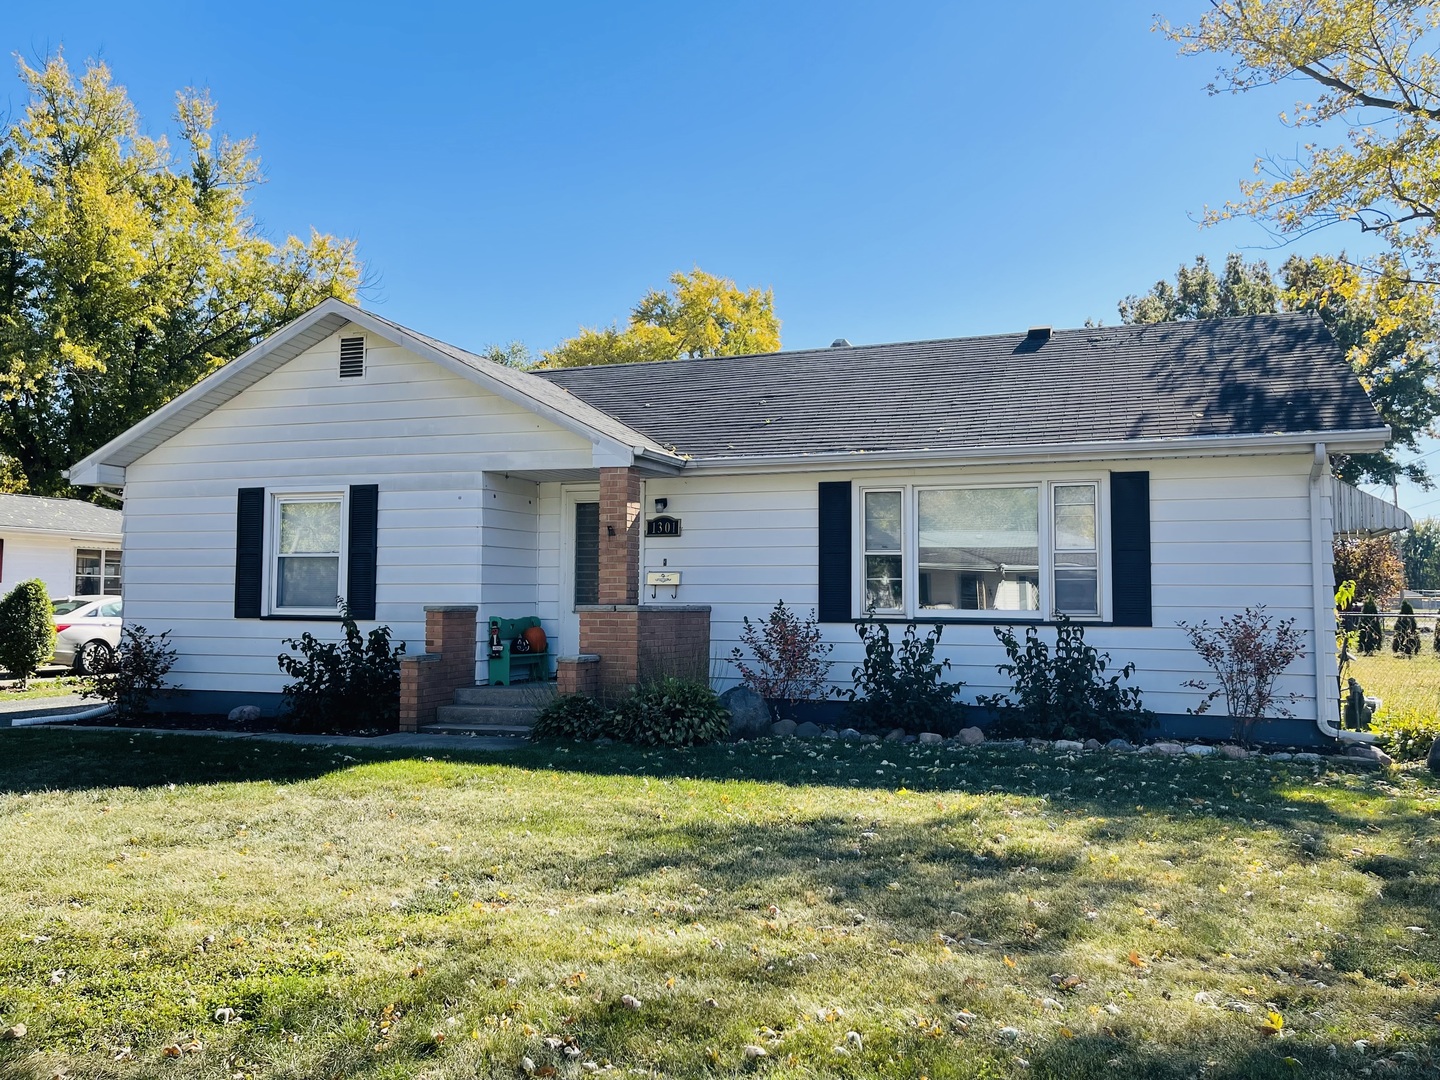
{"x":308,"y":541}
{"x":97,"y":571}
{"x":1022,"y":550}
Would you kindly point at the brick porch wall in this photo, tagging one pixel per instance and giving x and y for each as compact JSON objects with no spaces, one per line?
{"x":430,"y":679}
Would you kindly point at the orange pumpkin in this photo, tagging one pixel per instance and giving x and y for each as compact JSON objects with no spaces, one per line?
{"x":536,"y":637}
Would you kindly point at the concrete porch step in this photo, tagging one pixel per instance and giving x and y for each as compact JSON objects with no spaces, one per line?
{"x":513,"y":715}
{"x":533,"y":695}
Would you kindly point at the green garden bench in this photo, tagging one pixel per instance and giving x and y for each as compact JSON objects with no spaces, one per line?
{"x":504,"y":666}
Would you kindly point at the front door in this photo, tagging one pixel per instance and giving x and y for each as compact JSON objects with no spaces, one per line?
{"x":579,"y":561}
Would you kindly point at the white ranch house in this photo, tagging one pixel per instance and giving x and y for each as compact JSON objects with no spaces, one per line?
{"x":1127,"y":477}
{"x":72,"y":546}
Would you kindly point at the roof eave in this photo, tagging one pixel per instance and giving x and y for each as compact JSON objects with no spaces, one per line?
{"x":1349,"y":442}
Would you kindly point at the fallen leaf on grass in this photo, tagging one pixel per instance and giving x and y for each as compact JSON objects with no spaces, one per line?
{"x":1136,"y":961}
{"x":1274,"y":1024}
{"x":1008,"y":962}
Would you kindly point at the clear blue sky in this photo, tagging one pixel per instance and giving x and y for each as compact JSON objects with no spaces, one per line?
{"x":893,"y":171}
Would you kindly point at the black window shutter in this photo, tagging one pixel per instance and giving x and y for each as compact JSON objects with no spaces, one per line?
{"x":360,"y":577}
{"x":836,"y":569}
{"x":1130,"y":547}
{"x":249,"y":551}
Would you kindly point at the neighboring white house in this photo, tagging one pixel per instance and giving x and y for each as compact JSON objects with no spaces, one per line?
{"x":72,"y":546}
{"x":1127,"y":477}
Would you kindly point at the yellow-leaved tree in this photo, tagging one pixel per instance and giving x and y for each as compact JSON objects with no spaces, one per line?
{"x":128,"y":270}
{"x":704,"y":316}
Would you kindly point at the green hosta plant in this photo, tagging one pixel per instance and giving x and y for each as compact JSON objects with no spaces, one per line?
{"x":572,"y":716}
{"x":671,"y":712}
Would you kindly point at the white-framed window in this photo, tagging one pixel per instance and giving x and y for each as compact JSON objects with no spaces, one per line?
{"x":307,"y":552}
{"x":97,"y":572}
{"x":1021,"y":549}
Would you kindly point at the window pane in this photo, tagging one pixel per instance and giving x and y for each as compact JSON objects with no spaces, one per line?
{"x":307,"y":527}
{"x":980,"y":549}
{"x":587,"y":553}
{"x":883,"y":587}
{"x":87,"y":572}
{"x":1076,"y":592}
{"x":1075,"y":516}
{"x":309,"y":583}
{"x":882,"y":521}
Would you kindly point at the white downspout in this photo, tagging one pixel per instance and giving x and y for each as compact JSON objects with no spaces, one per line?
{"x":1327,"y":673}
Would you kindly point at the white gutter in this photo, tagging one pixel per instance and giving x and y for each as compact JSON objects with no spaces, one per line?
{"x":1365,"y":441}
{"x":1327,"y":674}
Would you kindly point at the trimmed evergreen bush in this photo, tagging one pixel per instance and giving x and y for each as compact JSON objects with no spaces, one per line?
{"x":1372,"y":632}
{"x":27,"y":630}
{"x":1406,"y":638}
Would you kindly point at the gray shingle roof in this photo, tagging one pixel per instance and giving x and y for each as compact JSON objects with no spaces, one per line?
{"x":32,"y":513}
{"x":1268,"y":374}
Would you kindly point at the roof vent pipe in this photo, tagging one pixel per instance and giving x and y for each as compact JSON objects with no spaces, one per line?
{"x":840,"y":343}
{"x":1038,"y":334}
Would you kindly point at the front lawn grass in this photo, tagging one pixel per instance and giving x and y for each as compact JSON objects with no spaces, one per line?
{"x":267,"y":910}
{"x":39,"y":687}
{"x":1402,"y":682}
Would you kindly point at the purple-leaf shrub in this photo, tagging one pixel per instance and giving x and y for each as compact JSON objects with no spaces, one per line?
{"x":1248,"y":652}
{"x":789,"y":656}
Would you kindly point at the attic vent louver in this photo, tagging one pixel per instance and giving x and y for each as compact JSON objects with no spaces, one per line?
{"x":352,"y":358}
{"x":840,"y":343}
{"x":1038,"y":334}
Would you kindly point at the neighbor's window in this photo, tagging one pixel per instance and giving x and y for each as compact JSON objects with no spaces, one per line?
{"x":979,"y":549}
{"x":307,"y":552}
{"x":97,"y":572}
{"x":884,"y":546}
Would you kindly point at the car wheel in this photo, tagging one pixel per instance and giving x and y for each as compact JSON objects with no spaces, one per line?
{"x":93,"y":657}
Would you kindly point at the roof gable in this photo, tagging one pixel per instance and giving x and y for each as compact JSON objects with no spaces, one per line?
{"x":546,"y":399}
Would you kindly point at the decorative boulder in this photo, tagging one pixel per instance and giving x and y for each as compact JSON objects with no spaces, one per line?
{"x":808,"y":730}
{"x":930,"y":738}
{"x":783,"y":727}
{"x":1068,"y":746}
{"x":1120,"y":745}
{"x":244,"y":714}
{"x":970,"y":736}
{"x":1370,"y":755}
{"x":896,"y":735}
{"x":749,"y":714}
{"x":849,"y":734}
{"x":1233,"y":752}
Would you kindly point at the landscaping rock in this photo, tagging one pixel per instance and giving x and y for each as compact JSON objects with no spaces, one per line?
{"x":1370,"y":755}
{"x":783,"y":727}
{"x":1309,"y":758}
{"x":749,"y":714}
{"x":1093,"y":744}
{"x":1233,"y":752}
{"x":970,"y":736}
{"x":1281,"y":755}
{"x":1199,"y":750}
{"x":1038,"y":744}
{"x":909,"y":740}
{"x":1120,"y":745}
{"x":1166,"y":749}
{"x":849,"y":734}
{"x":869,"y":738}
{"x":244,"y":714}
{"x":898,"y":735}
{"x":829,"y":733}
{"x":930,"y":738}
{"x":808,"y":730}
{"x":1432,"y":762}
{"x":1068,"y":746}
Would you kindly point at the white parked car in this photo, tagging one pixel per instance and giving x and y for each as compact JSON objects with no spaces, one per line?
{"x":87,"y":631}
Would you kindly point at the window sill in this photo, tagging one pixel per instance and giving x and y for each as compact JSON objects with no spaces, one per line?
{"x":332,"y":616}
{"x":988,"y":620}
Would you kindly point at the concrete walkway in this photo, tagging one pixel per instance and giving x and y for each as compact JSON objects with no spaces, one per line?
{"x":52,"y":713}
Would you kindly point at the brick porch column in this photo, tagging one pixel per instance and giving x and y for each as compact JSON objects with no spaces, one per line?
{"x":620,"y":523}
{"x":430,"y":679}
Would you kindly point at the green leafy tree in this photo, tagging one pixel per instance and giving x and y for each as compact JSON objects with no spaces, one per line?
{"x":1421,"y":550}
{"x":1371,"y":114}
{"x":128,"y":269}
{"x":705,"y":315}
{"x":1387,"y":325}
{"x":27,"y":630}
{"x":1406,"y":639}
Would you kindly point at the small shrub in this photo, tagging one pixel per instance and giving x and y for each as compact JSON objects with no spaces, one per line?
{"x":1064,"y":693}
{"x":790,"y":653}
{"x":1248,"y":652}
{"x":27,"y":630}
{"x":352,"y":684}
{"x":1372,"y":631}
{"x":1405,"y":641}
{"x":671,"y":712}
{"x":135,"y":675}
{"x":902,"y":686}
{"x":1408,"y":733}
{"x":572,"y":716}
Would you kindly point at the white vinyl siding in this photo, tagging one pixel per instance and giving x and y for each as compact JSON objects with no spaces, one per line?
{"x":1225,"y":533}
{"x":52,"y":559}
{"x":431,"y":440}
